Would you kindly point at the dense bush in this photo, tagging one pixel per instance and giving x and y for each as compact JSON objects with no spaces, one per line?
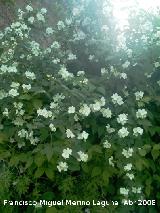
{"x":80,"y":118}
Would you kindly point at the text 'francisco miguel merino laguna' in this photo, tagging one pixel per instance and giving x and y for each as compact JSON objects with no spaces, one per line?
{"x":59,"y":203}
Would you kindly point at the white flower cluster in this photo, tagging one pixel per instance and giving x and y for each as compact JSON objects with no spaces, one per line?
{"x":69,"y":134}
{"x":139,"y":95}
{"x":106,"y":144}
{"x":110,"y":129}
{"x":13,"y":93}
{"x":8,"y":69}
{"x":141,"y":113}
{"x":66,"y":153}
{"x":28,"y":136}
{"x":122,"y":118}
{"x":110,"y":160}
{"x":107,"y":113}
{"x":117,"y":99}
{"x":127,"y":153}
{"x":124,"y":191}
{"x":136,"y":190}
{"x":137,"y":131}
{"x":62,"y":166}
{"x":52,"y":127}
{"x":71,"y":110}
{"x":65,"y":74}
{"x":30,"y":75}
{"x":82,"y":156}
{"x":35,"y":48}
{"x":128,"y":167}
{"x":40,"y":15}
{"x":83,"y":136}
{"x":123,"y":132}
{"x":44,"y":112}
{"x":85,"y":110}
{"x":97,"y":105}
{"x":130,"y":176}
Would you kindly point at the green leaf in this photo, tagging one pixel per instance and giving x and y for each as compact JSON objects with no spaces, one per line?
{"x":142,"y":152}
{"x":50,"y":173}
{"x":25,"y":97}
{"x":105,"y":176}
{"x":96,"y":171}
{"x":48,"y":150}
{"x":39,"y":172}
{"x":39,"y":159}
{"x":74,"y":165}
{"x":37,"y":103}
{"x":3,"y":137}
{"x":44,"y":134}
{"x":155,"y":151}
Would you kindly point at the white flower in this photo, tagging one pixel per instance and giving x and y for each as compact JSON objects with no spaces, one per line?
{"x":60,"y":25}
{"x":117,"y":99}
{"x":66,"y":153}
{"x":85,"y":110}
{"x":106,"y":144}
{"x":122,"y":118}
{"x":76,"y":117}
{"x":141,"y":113}
{"x":96,"y":106}
{"x":62,"y":166}
{"x":44,"y":112}
{"x":52,"y":127}
{"x":128,"y":167}
{"x":127,"y":153}
{"x":30,"y":75}
{"x":43,"y":11}
{"x":84,"y":135}
{"x":102,"y":101}
{"x":13,"y":93}
{"x":111,"y":161}
{"x":109,"y":129}
{"x":80,"y":73}
{"x":131,"y":176}
{"x":82,"y":156}
{"x":156,"y":64}
{"x":31,"y":19}
{"x":5,"y":112}
{"x":123,"y":132}
{"x":12,"y":69}
{"x":49,"y":30}
{"x":126,"y":64}
{"x":23,"y":133}
{"x":26,"y":87}
{"x":69,"y":134}
{"x":139,"y":95}
{"x":65,"y":74}
{"x":137,"y":131}
{"x":15,"y":85}
{"x":71,"y":56}
{"x":55,"y":45}
{"x":40,"y":17}
{"x":104,"y":71}
{"x":71,"y":110}
{"x":29,"y":8}
{"x":123,"y":75}
{"x":124,"y":191}
{"x":136,"y":190}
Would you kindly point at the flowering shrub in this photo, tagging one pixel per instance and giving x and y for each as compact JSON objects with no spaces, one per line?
{"x":69,"y":134}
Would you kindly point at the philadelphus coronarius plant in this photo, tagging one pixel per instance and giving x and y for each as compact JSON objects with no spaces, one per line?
{"x":61,"y":123}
